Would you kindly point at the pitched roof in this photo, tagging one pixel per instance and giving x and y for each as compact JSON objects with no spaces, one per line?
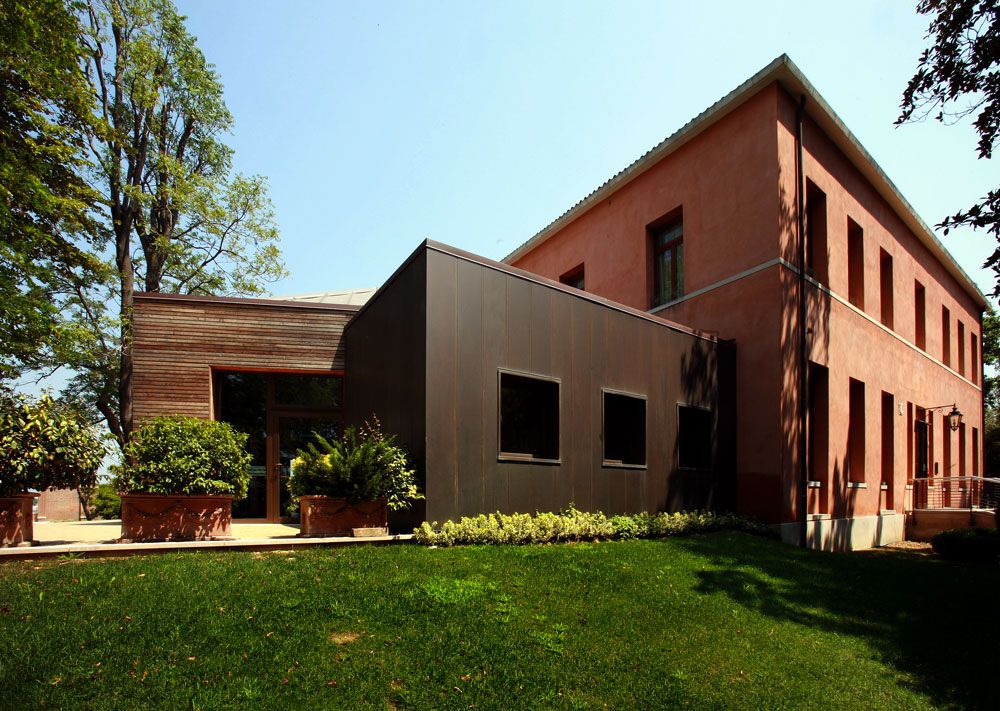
{"x":784,"y":71}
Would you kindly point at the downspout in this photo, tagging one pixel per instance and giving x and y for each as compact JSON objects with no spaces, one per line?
{"x":803,"y":346}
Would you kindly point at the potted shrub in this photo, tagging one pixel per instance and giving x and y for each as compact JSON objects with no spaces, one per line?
{"x":44,"y":444}
{"x":347,"y":486}
{"x":179,"y":477}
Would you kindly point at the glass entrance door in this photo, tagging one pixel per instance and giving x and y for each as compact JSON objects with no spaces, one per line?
{"x":279,"y":412}
{"x":292,"y":433}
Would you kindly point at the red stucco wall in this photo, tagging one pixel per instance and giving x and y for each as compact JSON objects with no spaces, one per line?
{"x":736,"y":185}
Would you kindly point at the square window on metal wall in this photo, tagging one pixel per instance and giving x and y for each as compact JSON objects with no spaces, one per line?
{"x":624,"y":429}
{"x":694,"y":437}
{"x":529,"y":417}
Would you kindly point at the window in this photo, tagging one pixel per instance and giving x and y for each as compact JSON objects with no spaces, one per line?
{"x":624,"y":429}
{"x":888,"y":447}
{"x":694,"y":437}
{"x":975,"y":452}
{"x":574,"y":277}
{"x":974,"y":356}
{"x":919,"y":316}
{"x":909,"y":441}
{"x":816,"y":253}
{"x":309,"y":391}
{"x":961,"y":348}
{"x":946,"y":336}
{"x":529,"y":417}
{"x":855,"y":264}
{"x":885,"y":288}
{"x":961,"y":451}
{"x":668,"y":261}
{"x":856,"y":434}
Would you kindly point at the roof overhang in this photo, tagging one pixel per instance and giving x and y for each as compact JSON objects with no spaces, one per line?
{"x":783,"y":71}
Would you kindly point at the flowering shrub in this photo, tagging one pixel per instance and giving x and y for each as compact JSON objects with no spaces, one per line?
{"x":185,"y":455}
{"x":46,"y":444}
{"x":361,"y":465}
{"x":575,"y":525}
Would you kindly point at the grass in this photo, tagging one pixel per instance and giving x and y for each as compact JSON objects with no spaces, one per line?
{"x":718,"y":620}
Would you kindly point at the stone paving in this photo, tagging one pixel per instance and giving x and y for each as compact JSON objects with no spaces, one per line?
{"x":97,"y":539}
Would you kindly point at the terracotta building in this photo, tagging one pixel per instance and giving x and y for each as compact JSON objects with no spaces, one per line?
{"x":656,"y":347}
{"x":704,"y":230}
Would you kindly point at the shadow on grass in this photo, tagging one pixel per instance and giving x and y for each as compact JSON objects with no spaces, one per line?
{"x":934,"y":621}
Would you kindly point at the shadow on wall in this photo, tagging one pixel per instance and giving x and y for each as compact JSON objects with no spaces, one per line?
{"x":927,"y":618}
{"x":708,"y":379}
{"x":818,"y":348}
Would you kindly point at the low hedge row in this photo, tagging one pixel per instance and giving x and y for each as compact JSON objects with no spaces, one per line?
{"x":980,"y":545}
{"x":575,"y":525}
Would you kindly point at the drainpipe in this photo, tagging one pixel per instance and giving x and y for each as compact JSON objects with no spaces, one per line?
{"x":803,"y":346}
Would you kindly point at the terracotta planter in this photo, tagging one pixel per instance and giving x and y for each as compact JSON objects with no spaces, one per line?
{"x":16,"y":520}
{"x":181,"y":517}
{"x":328,"y":516}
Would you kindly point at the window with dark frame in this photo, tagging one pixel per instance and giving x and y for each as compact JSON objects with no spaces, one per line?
{"x":574,"y":277}
{"x":694,"y":437}
{"x":624,"y":429}
{"x":529,"y":417}
{"x":668,"y":261}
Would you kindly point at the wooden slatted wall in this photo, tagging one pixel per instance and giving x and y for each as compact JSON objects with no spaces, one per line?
{"x":178,"y":340}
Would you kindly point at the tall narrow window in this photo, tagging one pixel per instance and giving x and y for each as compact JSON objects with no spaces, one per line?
{"x":885,"y":288}
{"x":919,"y":316}
{"x":668,"y":261}
{"x":975,"y":452}
{"x":974,"y":358}
{"x":574,"y":277}
{"x":888,"y":447}
{"x":921,"y":444}
{"x":819,"y":428}
{"x":946,"y":336}
{"x":624,"y":429}
{"x":946,"y":449}
{"x":529,"y":417}
{"x":960,"y":337}
{"x":856,"y":433}
{"x":855,"y":264}
{"x":909,"y":441}
{"x":816,"y":249}
{"x":961,"y":451}
{"x":694,"y":437}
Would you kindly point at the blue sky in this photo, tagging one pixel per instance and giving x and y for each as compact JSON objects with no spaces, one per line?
{"x":380,"y":124}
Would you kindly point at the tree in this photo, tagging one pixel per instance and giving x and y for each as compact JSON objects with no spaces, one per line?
{"x":172,"y":214}
{"x":45,"y":114}
{"x":959,"y":76}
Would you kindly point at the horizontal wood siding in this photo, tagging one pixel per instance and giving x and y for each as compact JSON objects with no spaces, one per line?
{"x":480,"y":319}
{"x":179,"y":341}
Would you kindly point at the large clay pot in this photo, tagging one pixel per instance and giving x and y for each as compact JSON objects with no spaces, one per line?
{"x":181,"y":517}
{"x":16,"y":520}
{"x":328,"y":516}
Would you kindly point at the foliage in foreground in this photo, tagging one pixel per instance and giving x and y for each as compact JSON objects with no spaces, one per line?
{"x":175,"y":454}
{"x":45,"y":444}
{"x":979,"y":545}
{"x":575,"y":525}
{"x":360,"y":465}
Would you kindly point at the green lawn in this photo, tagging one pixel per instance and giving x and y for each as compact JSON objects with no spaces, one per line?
{"x":719,"y":620}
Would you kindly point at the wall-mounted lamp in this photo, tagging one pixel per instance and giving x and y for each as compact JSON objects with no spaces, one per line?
{"x":953,"y":418}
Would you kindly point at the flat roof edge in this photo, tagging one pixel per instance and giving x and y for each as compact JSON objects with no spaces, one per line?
{"x":242,"y":301}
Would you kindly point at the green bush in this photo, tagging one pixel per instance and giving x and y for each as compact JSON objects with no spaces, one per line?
{"x":46,"y":444}
{"x":575,"y":525}
{"x":970,"y":544}
{"x":361,"y":465}
{"x":105,"y":502}
{"x":185,"y":455}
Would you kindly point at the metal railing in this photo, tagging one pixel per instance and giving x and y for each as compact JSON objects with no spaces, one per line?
{"x":953,"y":492}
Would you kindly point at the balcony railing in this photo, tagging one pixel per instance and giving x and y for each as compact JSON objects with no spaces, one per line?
{"x":953,"y":492}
